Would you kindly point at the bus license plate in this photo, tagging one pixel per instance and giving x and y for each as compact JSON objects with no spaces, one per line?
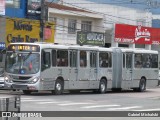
{"x":19,"y":86}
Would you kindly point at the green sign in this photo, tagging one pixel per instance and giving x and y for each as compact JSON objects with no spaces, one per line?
{"x":90,"y":38}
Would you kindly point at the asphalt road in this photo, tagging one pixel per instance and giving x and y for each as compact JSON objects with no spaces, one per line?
{"x":88,"y":101}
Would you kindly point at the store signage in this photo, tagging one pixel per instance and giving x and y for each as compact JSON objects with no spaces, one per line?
{"x":90,"y":38}
{"x":136,"y":34}
{"x":25,"y":30}
{"x":34,"y":7}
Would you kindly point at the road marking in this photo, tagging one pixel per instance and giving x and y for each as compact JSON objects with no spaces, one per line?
{"x":124,"y":108}
{"x":74,"y":104}
{"x":156,"y":109}
{"x":46,"y":102}
{"x":100,"y":106}
{"x":34,"y":100}
{"x":26,"y":98}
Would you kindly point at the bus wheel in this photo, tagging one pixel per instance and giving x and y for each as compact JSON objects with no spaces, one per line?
{"x":26,"y":92}
{"x":59,"y":86}
{"x":142,"y":85}
{"x":102,"y":86}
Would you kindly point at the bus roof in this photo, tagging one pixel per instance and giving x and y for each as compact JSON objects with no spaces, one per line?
{"x":88,"y":47}
{"x":137,"y":50}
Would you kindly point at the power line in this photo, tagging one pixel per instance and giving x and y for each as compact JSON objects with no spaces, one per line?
{"x":100,"y":12}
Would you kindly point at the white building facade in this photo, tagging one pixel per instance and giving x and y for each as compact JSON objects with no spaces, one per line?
{"x":70,"y":20}
{"x":115,"y":14}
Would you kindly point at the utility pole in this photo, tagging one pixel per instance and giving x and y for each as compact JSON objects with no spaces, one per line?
{"x":42,"y":20}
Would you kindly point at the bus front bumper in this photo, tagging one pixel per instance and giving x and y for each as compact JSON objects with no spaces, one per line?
{"x":20,"y":86}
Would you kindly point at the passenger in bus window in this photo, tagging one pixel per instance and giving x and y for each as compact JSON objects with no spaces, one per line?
{"x":82,"y":63}
{"x":104,"y":63}
{"x":58,"y":62}
{"x":63,"y":62}
{"x":147,"y":63}
{"x":138,"y":64}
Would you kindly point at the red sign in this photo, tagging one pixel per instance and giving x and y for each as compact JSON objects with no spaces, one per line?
{"x":136,"y":34}
{"x":47,"y":33}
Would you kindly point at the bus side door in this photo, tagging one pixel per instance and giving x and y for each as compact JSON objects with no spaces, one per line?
{"x":73,"y":71}
{"x":128,"y":70}
{"x":83,"y":69}
{"x":93,"y":69}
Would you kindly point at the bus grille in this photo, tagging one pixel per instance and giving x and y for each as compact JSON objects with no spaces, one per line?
{"x":20,"y":81}
{"x":20,"y":77}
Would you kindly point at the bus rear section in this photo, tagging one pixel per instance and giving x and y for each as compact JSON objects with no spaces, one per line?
{"x":135,"y":69}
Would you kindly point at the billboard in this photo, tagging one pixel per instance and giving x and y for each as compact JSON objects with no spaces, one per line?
{"x":2,"y":7}
{"x":90,"y":38}
{"x":25,"y":30}
{"x":136,"y":34}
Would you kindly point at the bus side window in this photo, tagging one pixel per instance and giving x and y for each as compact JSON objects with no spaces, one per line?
{"x":73,"y":58}
{"x":138,"y":61}
{"x":128,"y":60}
{"x":103,"y":60}
{"x":83,"y":59}
{"x":154,"y":61}
{"x":45,"y":60}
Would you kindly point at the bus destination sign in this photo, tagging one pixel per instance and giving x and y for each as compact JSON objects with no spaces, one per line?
{"x":24,"y":48}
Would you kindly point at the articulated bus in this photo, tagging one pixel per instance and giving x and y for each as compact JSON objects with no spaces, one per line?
{"x":33,"y":67}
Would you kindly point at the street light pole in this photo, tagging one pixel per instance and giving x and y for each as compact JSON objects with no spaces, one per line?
{"x":42,"y":20}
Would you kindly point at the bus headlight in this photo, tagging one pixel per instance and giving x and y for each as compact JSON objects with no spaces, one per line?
{"x":7,"y":79}
{"x":34,"y":80}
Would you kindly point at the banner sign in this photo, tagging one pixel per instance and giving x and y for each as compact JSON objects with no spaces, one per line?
{"x":90,"y":38}
{"x":25,"y":30}
{"x":136,"y":34}
{"x":2,"y":7}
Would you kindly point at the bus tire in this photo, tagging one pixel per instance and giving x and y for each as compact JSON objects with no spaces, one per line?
{"x":59,"y":86}
{"x":26,"y":92}
{"x":142,"y":85}
{"x":102,"y":86}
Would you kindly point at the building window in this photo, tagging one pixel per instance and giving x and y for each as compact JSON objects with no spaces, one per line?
{"x":72,"y":26}
{"x":53,"y":19}
{"x":86,"y":26}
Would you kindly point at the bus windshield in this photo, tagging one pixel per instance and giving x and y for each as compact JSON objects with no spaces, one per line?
{"x":22,"y":63}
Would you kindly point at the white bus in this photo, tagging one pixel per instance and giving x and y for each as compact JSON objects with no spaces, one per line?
{"x":52,"y":67}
